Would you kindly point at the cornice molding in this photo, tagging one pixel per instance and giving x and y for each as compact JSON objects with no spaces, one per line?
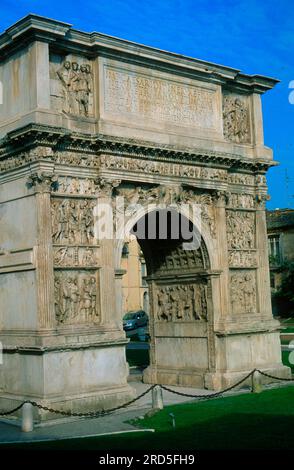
{"x":60,"y":139}
{"x":34,"y":27}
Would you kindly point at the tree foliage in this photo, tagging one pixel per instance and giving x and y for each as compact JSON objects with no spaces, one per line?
{"x":284,"y":296}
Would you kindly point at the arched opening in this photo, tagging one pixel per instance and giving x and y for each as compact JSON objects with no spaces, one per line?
{"x":179,"y":294}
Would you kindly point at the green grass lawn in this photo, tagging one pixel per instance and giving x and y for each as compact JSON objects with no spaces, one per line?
{"x":246,"y":421}
{"x":289,"y":329}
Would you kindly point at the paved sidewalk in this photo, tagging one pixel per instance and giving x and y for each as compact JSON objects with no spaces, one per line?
{"x":82,"y":427}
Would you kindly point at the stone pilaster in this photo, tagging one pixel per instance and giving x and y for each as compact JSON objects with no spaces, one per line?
{"x":42,"y":183}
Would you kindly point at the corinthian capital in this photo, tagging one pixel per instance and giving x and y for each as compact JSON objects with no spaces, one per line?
{"x":105,"y":187}
{"x":42,"y":182}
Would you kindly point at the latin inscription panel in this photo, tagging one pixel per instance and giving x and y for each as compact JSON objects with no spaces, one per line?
{"x":133,"y":95}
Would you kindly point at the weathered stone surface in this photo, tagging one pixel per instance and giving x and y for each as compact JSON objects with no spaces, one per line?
{"x":155,"y":128}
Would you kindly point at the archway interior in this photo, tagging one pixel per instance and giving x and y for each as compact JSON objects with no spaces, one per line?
{"x":177,"y":276}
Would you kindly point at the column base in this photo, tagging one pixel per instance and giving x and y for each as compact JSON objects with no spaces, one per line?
{"x":210,"y":380}
{"x":100,"y":400}
{"x":221,"y":380}
{"x":179,"y":377}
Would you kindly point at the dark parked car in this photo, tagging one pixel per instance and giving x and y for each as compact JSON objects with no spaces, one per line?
{"x":133,"y":320}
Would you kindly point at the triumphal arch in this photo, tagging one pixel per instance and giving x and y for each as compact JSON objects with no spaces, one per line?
{"x":88,"y":121}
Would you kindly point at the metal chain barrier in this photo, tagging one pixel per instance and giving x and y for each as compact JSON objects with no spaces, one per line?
{"x":91,"y":414}
{"x":273,"y":377}
{"x":211,"y":395}
{"x":96,"y":414}
{"x":10,"y":412}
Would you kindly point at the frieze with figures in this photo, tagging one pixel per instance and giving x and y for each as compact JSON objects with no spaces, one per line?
{"x":243,"y":291}
{"x":76,"y":298}
{"x":72,"y":256}
{"x":72,"y":221}
{"x":240,"y":230}
{"x":186,"y":302}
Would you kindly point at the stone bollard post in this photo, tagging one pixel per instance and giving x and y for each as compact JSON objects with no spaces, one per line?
{"x":157,"y":400}
{"x":27,"y":420}
{"x":256,"y":382}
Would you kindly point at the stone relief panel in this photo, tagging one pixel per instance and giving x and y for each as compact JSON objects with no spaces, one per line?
{"x":162,"y":168}
{"x":242,"y":259}
{"x":206,"y":204}
{"x":135,"y":96}
{"x":71,"y":85}
{"x":186,"y":302}
{"x":243,"y":200}
{"x":236,"y":118}
{"x":239,"y":178}
{"x":71,"y":256}
{"x":169,"y":195}
{"x":243,"y":292}
{"x":81,"y":186}
{"x":72,"y":221}
{"x":240,"y":230}
{"x":179,"y":259}
{"x":76,"y":298}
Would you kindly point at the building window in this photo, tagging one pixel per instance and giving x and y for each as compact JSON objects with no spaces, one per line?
{"x":274,"y":249}
{"x":125,"y":250}
{"x":143,"y":273}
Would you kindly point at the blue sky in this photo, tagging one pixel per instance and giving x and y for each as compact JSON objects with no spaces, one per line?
{"x":255,"y":36}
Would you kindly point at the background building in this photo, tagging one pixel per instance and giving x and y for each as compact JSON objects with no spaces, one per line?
{"x":135,"y":289}
{"x":280,"y":230}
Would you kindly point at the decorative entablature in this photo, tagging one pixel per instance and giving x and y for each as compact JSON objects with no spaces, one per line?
{"x":37,"y":28}
{"x":60,"y":140}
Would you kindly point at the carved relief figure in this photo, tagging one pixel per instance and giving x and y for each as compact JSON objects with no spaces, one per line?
{"x":75,"y":298}
{"x":236,"y":119}
{"x":62,"y":257}
{"x":244,"y":201}
{"x":74,"y":256}
{"x":205,"y":202}
{"x":240,"y":230}
{"x":72,"y":221}
{"x":242,"y":258}
{"x":173,"y":169}
{"x":76,"y":81}
{"x":162,"y":311}
{"x":186,"y":302}
{"x":243,"y":292}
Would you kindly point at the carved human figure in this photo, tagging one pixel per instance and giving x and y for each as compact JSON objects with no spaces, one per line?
{"x":74,"y":88}
{"x":62,"y":257}
{"x":188,"y":304}
{"x":75,"y":186}
{"x":72,"y":222}
{"x":236,"y":122}
{"x":61,"y":221}
{"x":66,"y":298}
{"x":84,"y":89}
{"x":93,"y":294}
{"x":249,"y":293}
{"x":86,"y":298}
{"x":86,"y":222}
{"x":57,"y":301}
{"x":236,"y":294}
{"x":162,"y":304}
{"x":173,"y":301}
{"x":181,"y":302}
{"x":203,"y":299}
{"x":74,"y":297}
{"x":88,"y":257}
{"x":65,"y":76}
